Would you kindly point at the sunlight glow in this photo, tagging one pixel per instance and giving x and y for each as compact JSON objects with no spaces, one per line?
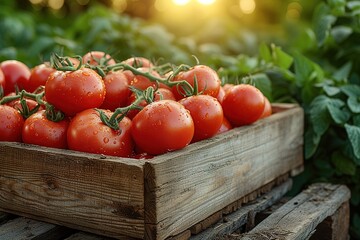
{"x":181,"y":2}
{"x":56,"y":4}
{"x":247,"y":6}
{"x":207,"y":2}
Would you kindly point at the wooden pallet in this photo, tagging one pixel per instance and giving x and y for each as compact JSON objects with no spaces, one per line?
{"x":319,"y":212}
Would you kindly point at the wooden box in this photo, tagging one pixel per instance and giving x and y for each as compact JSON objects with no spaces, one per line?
{"x":155,"y":198}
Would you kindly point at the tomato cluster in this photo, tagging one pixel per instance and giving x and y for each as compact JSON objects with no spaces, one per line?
{"x":129,"y":108}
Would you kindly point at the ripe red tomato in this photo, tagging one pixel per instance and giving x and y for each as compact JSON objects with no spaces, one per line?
{"x":38,"y":76}
{"x":225,"y":126}
{"x":220,"y":95}
{"x":208,"y":81}
{"x":16,"y":74}
{"x":73,"y":92}
{"x":142,"y":82}
{"x":93,"y":58}
{"x":2,"y":81}
{"x":206,"y":113}
{"x":161,"y":127}
{"x":138,"y":62}
{"x":11,"y":123}
{"x":267,"y":109}
{"x":117,"y":90}
{"x":31,"y":104}
{"x":41,"y":131}
{"x":160,"y":94}
{"x":243,"y":104}
{"x":87,"y":133}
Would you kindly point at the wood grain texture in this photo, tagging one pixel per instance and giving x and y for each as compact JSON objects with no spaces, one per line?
{"x":239,"y":218}
{"x":298,"y":218}
{"x":189,"y":185}
{"x":24,"y":228}
{"x":83,"y":191}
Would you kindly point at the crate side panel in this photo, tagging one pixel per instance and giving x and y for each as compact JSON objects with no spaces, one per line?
{"x":190,"y":185}
{"x":77,"y":190}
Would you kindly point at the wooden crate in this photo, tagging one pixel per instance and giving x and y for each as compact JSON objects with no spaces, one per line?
{"x":320,"y":212}
{"x":150,"y":199}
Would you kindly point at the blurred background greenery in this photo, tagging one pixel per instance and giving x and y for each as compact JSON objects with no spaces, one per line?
{"x":293,"y":50}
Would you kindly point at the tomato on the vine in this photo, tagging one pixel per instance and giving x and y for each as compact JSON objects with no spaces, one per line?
{"x":161,"y":127}
{"x":141,"y":82}
{"x":117,"y":90}
{"x":206,"y":113}
{"x":74,"y":91}
{"x":207,"y":79}
{"x":160,"y":94}
{"x":87,"y":133}
{"x":38,"y":76}
{"x":95,"y":57}
{"x":243,"y":104}
{"x":11,"y":123}
{"x":41,"y":131}
{"x":16,"y":74}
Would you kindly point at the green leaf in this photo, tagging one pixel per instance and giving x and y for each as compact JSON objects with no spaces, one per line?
{"x":343,"y":164}
{"x":351,"y":90}
{"x":343,"y":72}
{"x":340,"y":33}
{"x":323,"y":22}
{"x":330,"y":90}
{"x":303,"y":69}
{"x":319,"y":114}
{"x":311,"y":143}
{"x":339,"y":115}
{"x":265,"y":53}
{"x":353,"y":133}
{"x":354,"y":104}
{"x":281,"y":58}
{"x":263,"y":83}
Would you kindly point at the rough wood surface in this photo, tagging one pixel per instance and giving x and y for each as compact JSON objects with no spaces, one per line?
{"x":334,"y":227}
{"x":298,"y":218}
{"x":24,"y":228}
{"x":86,"y":236}
{"x":235,"y":220}
{"x":186,"y":186}
{"x":89,"y":192}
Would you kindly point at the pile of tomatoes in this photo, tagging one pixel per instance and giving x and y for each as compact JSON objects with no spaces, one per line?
{"x":129,"y":108}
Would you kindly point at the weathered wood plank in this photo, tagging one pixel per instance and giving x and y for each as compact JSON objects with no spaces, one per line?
{"x":89,"y":192}
{"x":24,"y":228}
{"x":86,"y":236}
{"x":235,"y":220}
{"x":189,"y":185}
{"x":298,"y":218}
{"x":336,"y":226}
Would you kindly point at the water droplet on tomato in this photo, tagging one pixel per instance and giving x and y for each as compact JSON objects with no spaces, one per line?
{"x":106,"y":140}
{"x":95,"y":132}
{"x":85,"y":74}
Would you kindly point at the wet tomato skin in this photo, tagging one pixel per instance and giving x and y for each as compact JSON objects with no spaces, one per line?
{"x":41,"y":131}
{"x":87,"y":133}
{"x":11,"y":123}
{"x":206,"y":113}
{"x":161,"y":127}
{"x":73,"y":92}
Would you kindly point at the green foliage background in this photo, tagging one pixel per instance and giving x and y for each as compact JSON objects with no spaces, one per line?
{"x":315,"y":63}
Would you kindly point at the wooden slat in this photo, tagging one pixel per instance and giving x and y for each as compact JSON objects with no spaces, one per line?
{"x":24,"y":228}
{"x":86,"y":236}
{"x":104,"y":195}
{"x":241,"y":217}
{"x":298,"y":218}
{"x":186,"y":186}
